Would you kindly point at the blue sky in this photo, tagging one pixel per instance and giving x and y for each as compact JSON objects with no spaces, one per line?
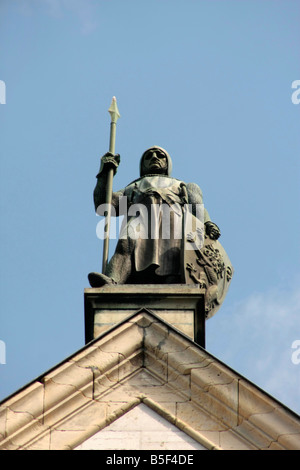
{"x":211,"y":82}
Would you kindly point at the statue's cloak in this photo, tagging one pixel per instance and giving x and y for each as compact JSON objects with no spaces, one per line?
{"x":154,"y":222}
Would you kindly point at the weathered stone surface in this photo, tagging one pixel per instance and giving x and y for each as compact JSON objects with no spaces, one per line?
{"x":178,"y":305}
{"x":24,"y":409}
{"x":166,"y":236}
{"x":3,"y":413}
{"x":141,"y":428}
{"x":145,"y":361}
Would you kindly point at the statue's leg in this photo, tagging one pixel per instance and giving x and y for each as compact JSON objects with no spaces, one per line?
{"x":120,"y":266}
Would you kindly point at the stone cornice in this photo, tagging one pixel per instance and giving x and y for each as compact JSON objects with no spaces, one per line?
{"x":145,"y":360}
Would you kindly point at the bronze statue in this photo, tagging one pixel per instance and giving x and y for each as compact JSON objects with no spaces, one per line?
{"x":154,"y":245}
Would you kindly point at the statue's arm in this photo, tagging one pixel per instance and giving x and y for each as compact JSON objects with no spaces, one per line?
{"x":195,"y":197}
{"x":108,"y":161}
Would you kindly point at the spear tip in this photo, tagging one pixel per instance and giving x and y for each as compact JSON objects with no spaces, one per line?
{"x":113,"y":110}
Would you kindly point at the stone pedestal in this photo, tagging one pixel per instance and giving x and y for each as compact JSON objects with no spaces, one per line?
{"x":180,"y":305}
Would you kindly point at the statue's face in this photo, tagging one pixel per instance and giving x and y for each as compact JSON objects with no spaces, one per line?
{"x":155,"y":162}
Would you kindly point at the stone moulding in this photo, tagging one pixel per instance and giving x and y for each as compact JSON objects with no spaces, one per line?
{"x":180,"y":305}
{"x":145,"y":360}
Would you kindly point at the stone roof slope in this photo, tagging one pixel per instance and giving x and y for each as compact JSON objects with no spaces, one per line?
{"x":145,"y":360}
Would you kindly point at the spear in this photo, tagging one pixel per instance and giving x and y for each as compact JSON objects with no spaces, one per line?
{"x":114,"y":114}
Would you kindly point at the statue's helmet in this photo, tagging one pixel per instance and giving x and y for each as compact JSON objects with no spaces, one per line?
{"x":161,"y":150}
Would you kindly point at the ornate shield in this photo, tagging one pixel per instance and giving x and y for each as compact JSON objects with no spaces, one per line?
{"x":206,"y":263}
